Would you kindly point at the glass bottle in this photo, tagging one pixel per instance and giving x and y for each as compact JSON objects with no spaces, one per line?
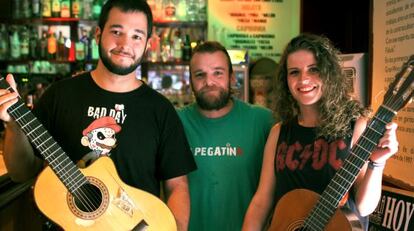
{"x":94,"y":46}
{"x":33,"y":43}
{"x":43,"y":45}
{"x":192,"y":10}
{"x":4,"y":43}
{"x":79,"y":50}
{"x":76,"y":8}
{"x":87,"y":44}
{"x":25,"y":8}
{"x":61,"y":47}
{"x":187,"y":48}
{"x":87,"y":9}
{"x":46,"y":8}
{"x":154,"y":48}
{"x":51,"y":45}
{"x":65,"y":8}
{"x":55,"y":8}
{"x":16,"y":9}
{"x":169,"y":7}
{"x":24,"y":43}
{"x":15,"y":44}
{"x":177,"y":44}
{"x":35,"y":8}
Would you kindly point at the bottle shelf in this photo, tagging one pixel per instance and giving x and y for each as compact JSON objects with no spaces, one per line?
{"x":168,"y":63}
{"x":182,"y":24}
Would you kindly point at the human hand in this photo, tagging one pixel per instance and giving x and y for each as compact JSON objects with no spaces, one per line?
{"x":387,"y":145}
{"x":7,"y":99}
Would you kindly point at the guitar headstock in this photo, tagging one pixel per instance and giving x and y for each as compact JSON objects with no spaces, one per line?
{"x":401,"y":90}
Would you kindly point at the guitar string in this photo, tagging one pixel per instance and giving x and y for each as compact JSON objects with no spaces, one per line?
{"x":21,"y":120}
{"x":393,"y":102}
{"x":60,"y":169}
{"x":355,"y":171}
{"x":82,"y":195}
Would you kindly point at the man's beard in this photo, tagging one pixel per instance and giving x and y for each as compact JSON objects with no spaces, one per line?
{"x":212,"y":103}
{"x":114,"y":68}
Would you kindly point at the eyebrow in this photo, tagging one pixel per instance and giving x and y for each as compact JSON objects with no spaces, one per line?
{"x":121,"y":27}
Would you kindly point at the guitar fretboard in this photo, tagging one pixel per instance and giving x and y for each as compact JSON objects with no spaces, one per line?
{"x":57,"y":159}
{"x":345,"y":177}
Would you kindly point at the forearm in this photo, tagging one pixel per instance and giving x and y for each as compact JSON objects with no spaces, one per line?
{"x":19,"y":158}
{"x":256,"y":216}
{"x":178,"y":200}
{"x":369,"y":191}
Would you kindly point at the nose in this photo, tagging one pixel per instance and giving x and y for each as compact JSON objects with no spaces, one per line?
{"x":304,"y":77}
{"x":123,"y":41}
{"x":210,"y":80}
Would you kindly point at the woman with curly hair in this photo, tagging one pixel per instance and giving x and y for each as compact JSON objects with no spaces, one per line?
{"x":319,"y":123}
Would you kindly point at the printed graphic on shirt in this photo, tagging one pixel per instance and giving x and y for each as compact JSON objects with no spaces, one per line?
{"x":319,"y":154}
{"x":118,"y":112}
{"x":99,"y":136}
{"x":227,"y":150}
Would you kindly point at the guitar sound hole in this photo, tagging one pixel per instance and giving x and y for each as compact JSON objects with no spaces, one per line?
{"x":88,"y":198}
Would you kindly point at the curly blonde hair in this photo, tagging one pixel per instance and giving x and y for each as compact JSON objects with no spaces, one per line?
{"x":336,"y":107}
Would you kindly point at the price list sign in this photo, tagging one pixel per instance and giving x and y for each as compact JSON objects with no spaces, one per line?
{"x":262,"y":27}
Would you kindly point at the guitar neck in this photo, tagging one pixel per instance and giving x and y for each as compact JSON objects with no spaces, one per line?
{"x":345,"y":176}
{"x":57,"y":159}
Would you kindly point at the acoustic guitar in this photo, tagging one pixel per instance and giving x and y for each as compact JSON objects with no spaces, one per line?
{"x":94,"y":198}
{"x":302,"y":209}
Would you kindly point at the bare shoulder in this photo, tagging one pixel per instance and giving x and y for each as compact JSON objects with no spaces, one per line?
{"x":360,"y":125}
{"x":274,"y":134}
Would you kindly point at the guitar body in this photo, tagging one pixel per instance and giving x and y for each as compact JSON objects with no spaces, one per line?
{"x":122,"y":207}
{"x":293,"y":208}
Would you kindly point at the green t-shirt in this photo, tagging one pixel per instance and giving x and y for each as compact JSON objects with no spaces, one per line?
{"x":228,"y":152}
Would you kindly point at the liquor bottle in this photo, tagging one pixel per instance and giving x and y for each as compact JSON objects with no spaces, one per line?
{"x":94,"y":46}
{"x":65,"y":8}
{"x":96,"y":8}
{"x":154,"y":48}
{"x":87,"y":44}
{"x":24,"y":43}
{"x":29,"y":101}
{"x":4,"y":43}
{"x":43,"y":45}
{"x":33,"y":43}
{"x":165,"y":48}
{"x":51,"y":45}
{"x":15,"y":44}
{"x":76,"y":8}
{"x":87,"y":9}
{"x":177,"y":44}
{"x":25,"y":8}
{"x":202,"y":10}
{"x":79,"y":50}
{"x":61,"y":47}
{"x":35,"y":8}
{"x":55,"y":8}
{"x":187,"y":48}
{"x":46,"y":8}
{"x":16,"y":9}
{"x":170,"y":10}
{"x":192,"y":10}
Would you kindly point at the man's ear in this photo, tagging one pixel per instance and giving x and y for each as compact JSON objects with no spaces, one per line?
{"x":233,"y":79}
{"x":98,"y":33}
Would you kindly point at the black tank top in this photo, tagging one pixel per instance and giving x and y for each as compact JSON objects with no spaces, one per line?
{"x":304,"y":160}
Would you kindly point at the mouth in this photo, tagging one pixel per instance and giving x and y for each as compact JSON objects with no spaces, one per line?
{"x":122,"y":54}
{"x":306,"y":89}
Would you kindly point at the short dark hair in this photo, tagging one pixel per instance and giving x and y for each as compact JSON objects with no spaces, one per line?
{"x":211,"y":47}
{"x":126,"y":6}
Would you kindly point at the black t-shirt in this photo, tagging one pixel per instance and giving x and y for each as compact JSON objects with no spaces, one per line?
{"x":139,"y":130}
{"x":304,"y":160}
